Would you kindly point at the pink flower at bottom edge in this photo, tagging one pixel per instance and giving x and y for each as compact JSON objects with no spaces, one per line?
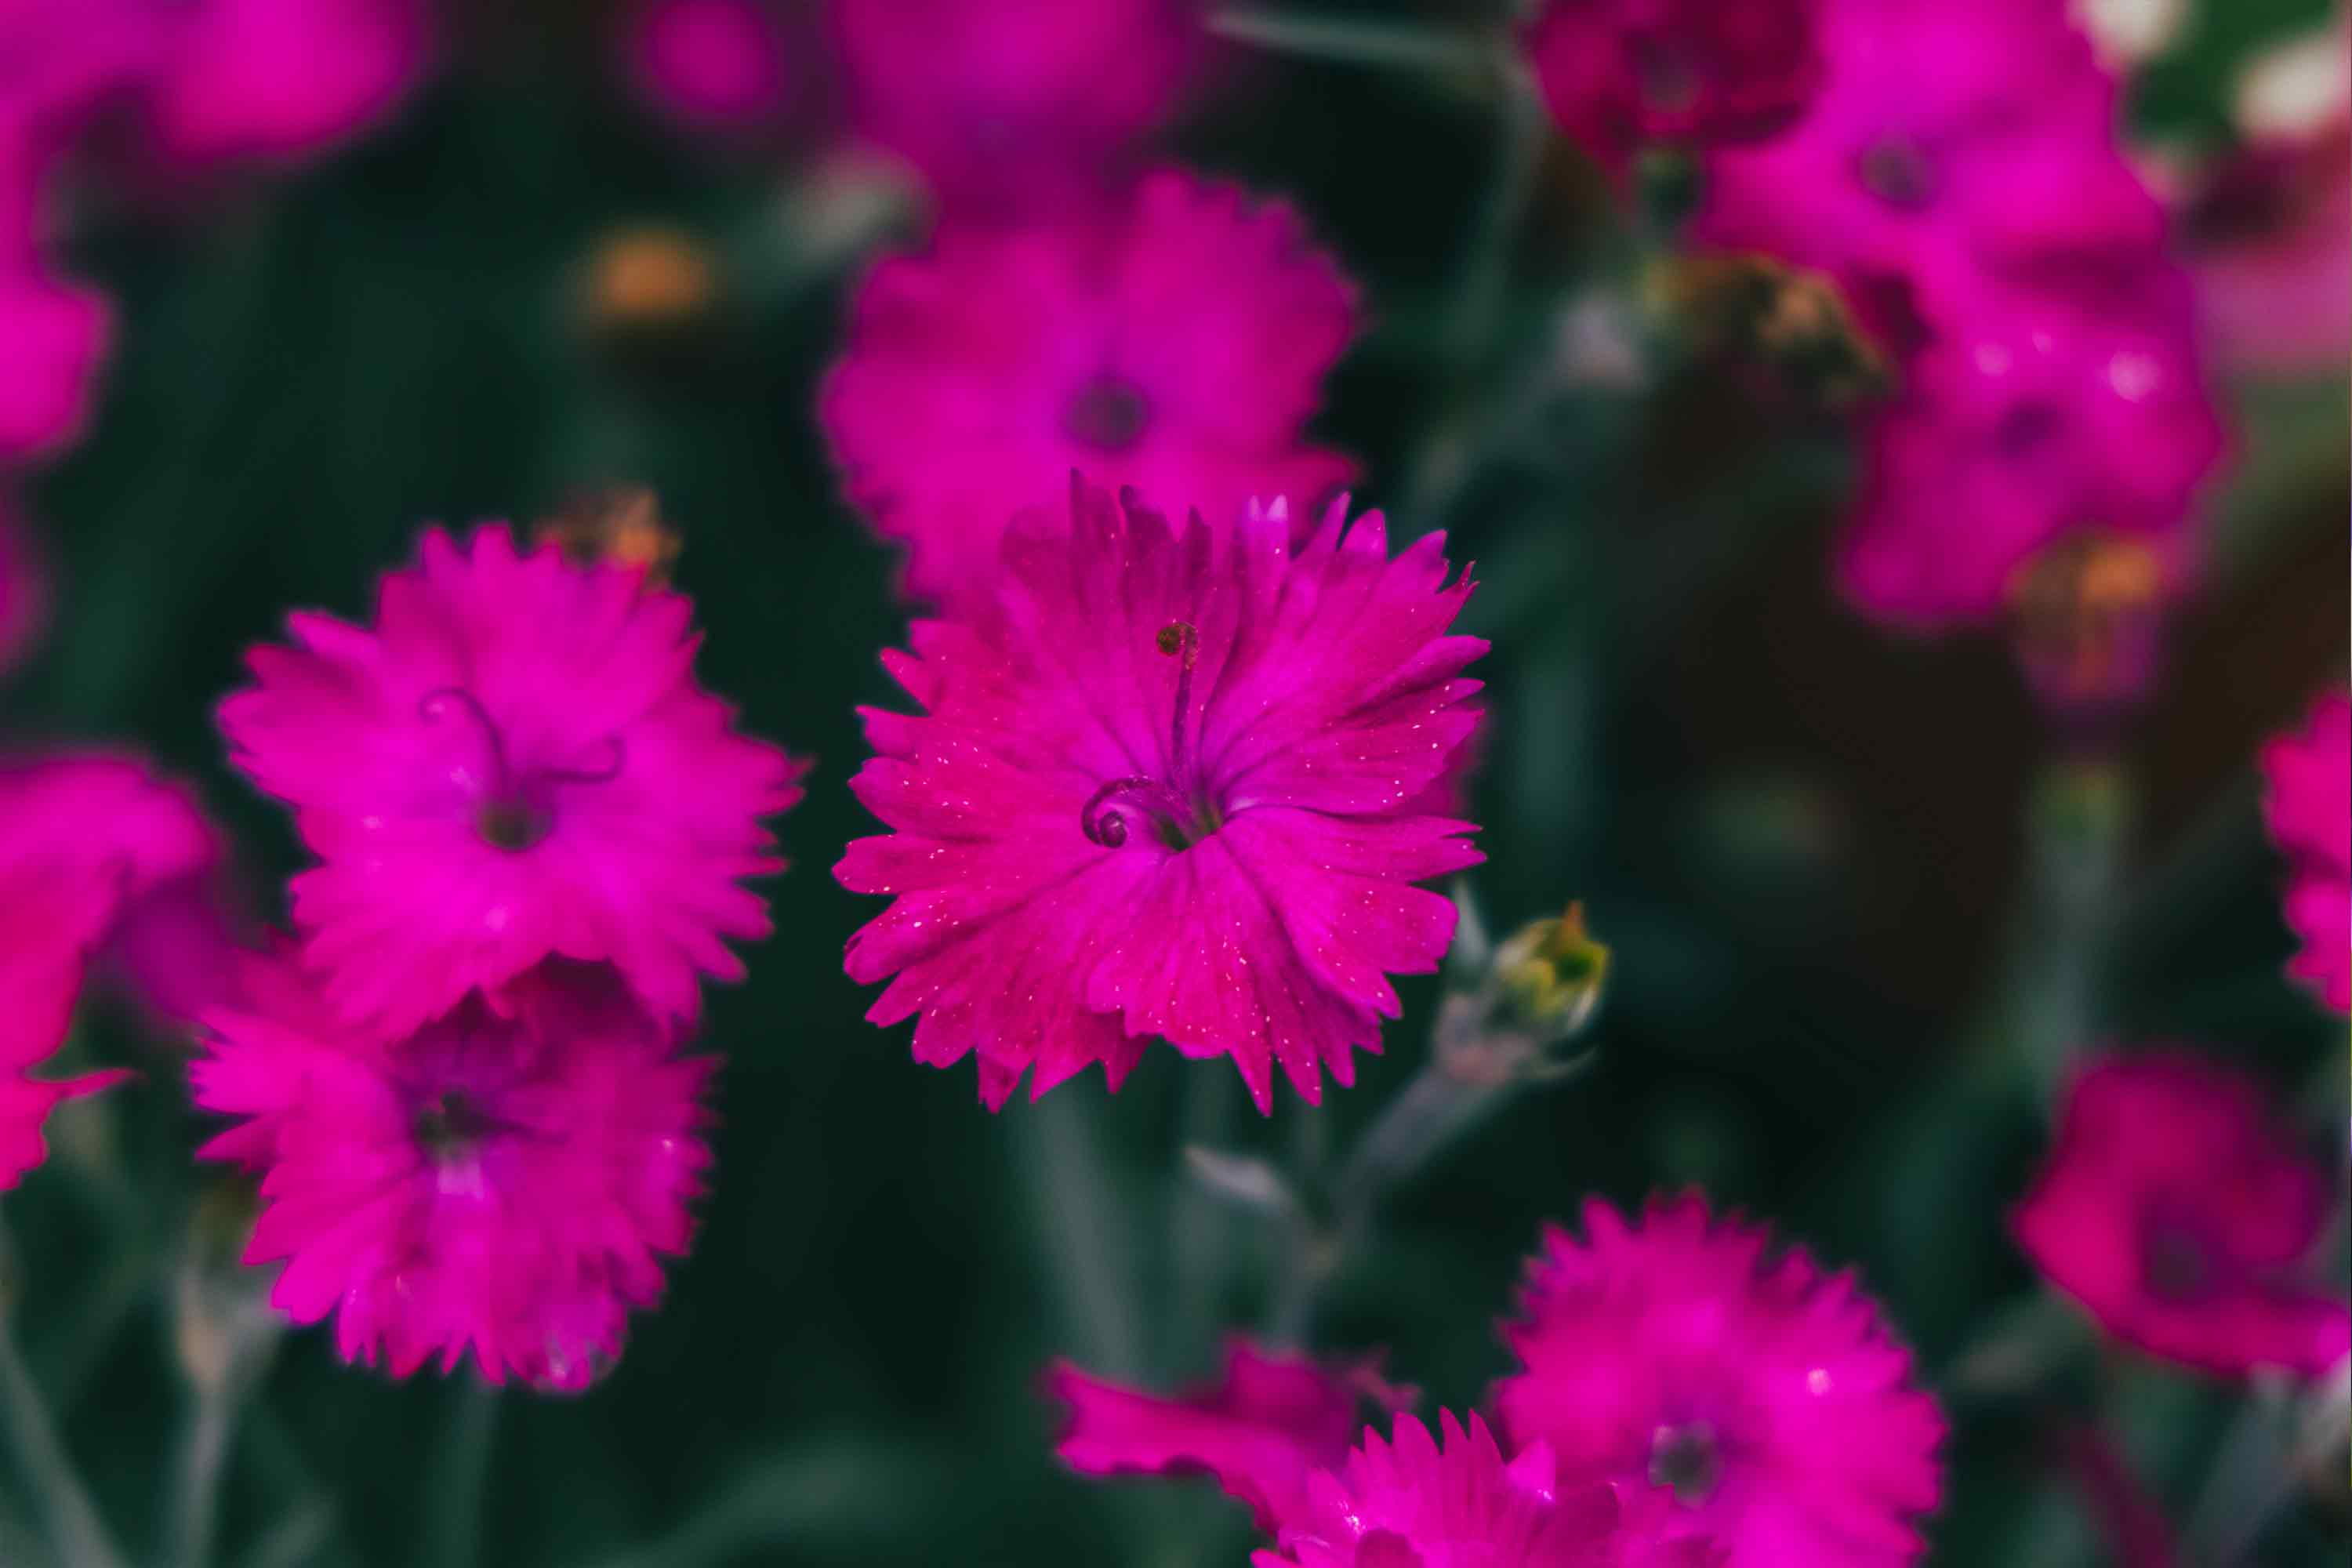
{"x":1270,"y":1422}
{"x":1768,"y":1397}
{"x":503,"y":1186}
{"x":2308,"y":806}
{"x":1412,"y":1503}
{"x":2180,"y":1217}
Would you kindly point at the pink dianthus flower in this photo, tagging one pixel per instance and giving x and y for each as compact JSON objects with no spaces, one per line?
{"x":1017,"y":103}
{"x":278,"y":78}
{"x":1175,"y":341}
{"x":513,"y":762}
{"x":1271,"y":1421}
{"x":1768,"y":1398}
{"x":2178,"y":1215}
{"x":1414,"y":1504}
{"x":51,"y":917}
{"x":503,"y":1184}
{"x":714,"y":66}
{"x":2309,"y":807}
{"x":1618,"y":74}
{"x":1159,"y":789}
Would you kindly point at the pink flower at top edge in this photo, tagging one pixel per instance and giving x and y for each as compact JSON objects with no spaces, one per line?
{"x":1017,"y":104}
{"x":713,"y":65}
{"x":507,"y":1186}
{"x":1159,"y":791}
{"x":279,"y":79}
{"x":2180,"y":1216}
{"x":1175,"y":339}
{"x":1270,"y":1422}
{"x":512,"y":762}
{"x":1620,"y":74}
{"x":2308,"y":806}
{"x":51,"y":916}
{"x":1768,"y":1398}
{"x":1413,"y":1503}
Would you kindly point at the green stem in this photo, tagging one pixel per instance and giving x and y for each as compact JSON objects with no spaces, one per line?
{"x":1389,"y":45}
{"x":1067,"y":1185}
{"x":452,"y":1531}
{"x":75,"y":1532}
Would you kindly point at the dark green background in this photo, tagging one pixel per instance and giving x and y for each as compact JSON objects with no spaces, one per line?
{"x":1801,"y":837}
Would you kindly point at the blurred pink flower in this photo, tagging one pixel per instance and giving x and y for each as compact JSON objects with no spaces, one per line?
{"x":1900,"y":181}
{"x":2309,"y":808}
{"x":2029,"y":420}
{"x":1016,"y":103}
{"x":507,"y":1184}
{"x":2177,"y":1213}
{"x":23,"y":591}
{"x":51,"y":916}
{"x":279,"y":79}
{"x":514,"y":761}
{"x":1618,"y":74}
{"x":1157,"y":791}
{"x":714,"y":66}
{"x":108,"y":819}
{"x":1267,"y":1425}
{"x":1176,"y":341}
{"x":56,"y":332}
{"x":1411,"y":1504}
{"x":1768,"y":1398}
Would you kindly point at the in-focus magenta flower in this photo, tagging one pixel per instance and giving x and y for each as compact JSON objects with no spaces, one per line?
{"x":1620,"y":74}
{"x":1412,"y":1503}
{"x":2032,"y":423}
{"x":514,"y":761}
{"x":1687,"y":1353}
{"x":504,"y":1185}
{"x":714,"y":66}
{"x":1272,"y":1421}
{"x":1017,"y":103}
{"x":1175,"y":341}
{"x":1158,"y":789}
{"x":2180,"y":1216}
{"x":278,"y":78}
{"x":2309,"y":808}
{"x":51,"y":917}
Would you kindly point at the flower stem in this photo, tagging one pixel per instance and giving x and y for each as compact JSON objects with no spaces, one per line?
{"x":75,"y":1532}
{"x":452,"y":1531}
{"x":203,"y":1459}
{"x":1379,"y":44}
{"x":1067,"y":1185}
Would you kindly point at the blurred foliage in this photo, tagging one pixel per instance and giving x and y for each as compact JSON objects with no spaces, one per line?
{"x":1800,"y":837}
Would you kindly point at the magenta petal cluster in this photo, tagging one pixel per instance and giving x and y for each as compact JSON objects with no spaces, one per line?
{"x":1175,"y":339}
{"x":1272,"y":1421}
{"x":1621,"y":74}
{"x":279,"y":79}
{"x":720,"y":67}
{"x":2182,"y":1219}
{"x":51,"y":917}
{"x":513,"y":762}
{"x":1991,"y":235}
{"x":504,"y":1182}
{"x":1418,"y":1501}
{"x":1016,"y":103}
{"x":1685,"y":1352}
{"x":1158,"y":790}
{"x":2308,"y":804}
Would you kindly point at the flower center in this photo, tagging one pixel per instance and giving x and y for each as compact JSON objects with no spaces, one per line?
{"x":1897,"y":173}
{"x":449,"y":1125}
{"x":515,"y":807}
{"x":1176,"y":810}
{"x":1109,"y":414}
{"x":1687,"y":1461}
{"x":2178,"y":1261}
